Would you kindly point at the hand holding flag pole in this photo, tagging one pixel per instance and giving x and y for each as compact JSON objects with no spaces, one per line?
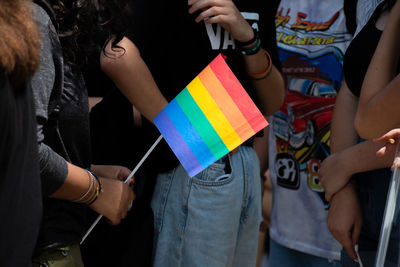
{"x":127,"y":180}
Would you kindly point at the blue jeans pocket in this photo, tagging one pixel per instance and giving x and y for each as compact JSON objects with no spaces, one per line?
{"x":216,"y":174}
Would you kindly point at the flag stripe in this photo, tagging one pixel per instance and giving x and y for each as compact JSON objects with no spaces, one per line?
{"x":226,"y":104}
{"x":238,"y":94}
{"x":189,"y":134}
{"x":214,"y":114}
{"x":201,"y":124}
{"x":177,"y":144}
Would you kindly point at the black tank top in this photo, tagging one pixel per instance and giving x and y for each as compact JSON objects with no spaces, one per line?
{"x":359,"y":54}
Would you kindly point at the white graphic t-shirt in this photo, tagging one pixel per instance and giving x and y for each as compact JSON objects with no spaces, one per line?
{"x":312,"y":39}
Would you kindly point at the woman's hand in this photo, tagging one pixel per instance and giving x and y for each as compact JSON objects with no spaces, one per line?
{"x":345,"y":219}
{"x":114,"y":200}
{"x":224,"y":13}
{"x":390,"y":141}
{"x":112,"y":171}
{"x":333,"y":175}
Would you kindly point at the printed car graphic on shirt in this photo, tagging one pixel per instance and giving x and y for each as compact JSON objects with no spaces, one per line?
{"x":302,"y":117}
{"x":302,"y":131}
{"x":302,"y":125}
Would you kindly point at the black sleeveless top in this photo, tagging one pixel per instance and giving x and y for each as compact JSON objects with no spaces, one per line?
{"x":359,"y":54}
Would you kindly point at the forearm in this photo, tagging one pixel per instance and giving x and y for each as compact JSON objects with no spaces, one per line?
{"x":76,"y":184}
{"x":269,"y":90}
{"x":362,"y":157}
{"x":343,"y":134}
{"x":378,"y":109}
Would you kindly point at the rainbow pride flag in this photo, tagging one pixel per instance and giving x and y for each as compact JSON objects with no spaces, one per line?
{"x":212,"y":116}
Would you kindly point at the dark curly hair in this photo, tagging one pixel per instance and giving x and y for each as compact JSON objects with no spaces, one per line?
{"x":84,"y":25}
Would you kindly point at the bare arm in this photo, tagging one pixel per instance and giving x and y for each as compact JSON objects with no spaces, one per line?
{"x":132,"y":77}
{"x":378,"y":111}
{"x":344,"y":216}
{"x":114,"y":198}
{"x":352,"y":157}
{"x":269,"y":90}
{"x":343,"y":133}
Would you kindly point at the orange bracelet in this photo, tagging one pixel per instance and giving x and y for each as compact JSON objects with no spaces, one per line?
{"x":265,"y":74}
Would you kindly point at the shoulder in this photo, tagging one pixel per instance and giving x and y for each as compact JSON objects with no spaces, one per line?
{"x":41,"y":17}
{"x":115,"y":60}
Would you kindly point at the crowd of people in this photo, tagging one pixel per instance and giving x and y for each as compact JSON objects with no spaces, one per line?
{"x":324,"y":73}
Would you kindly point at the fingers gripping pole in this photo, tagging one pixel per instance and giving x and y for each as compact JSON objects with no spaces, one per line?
{"x":127,"y":180}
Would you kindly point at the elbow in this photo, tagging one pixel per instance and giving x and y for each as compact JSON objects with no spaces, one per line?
{"x":363,"y":128}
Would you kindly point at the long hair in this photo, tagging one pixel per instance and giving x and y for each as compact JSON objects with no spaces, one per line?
{"x":81,"y":25}
{"x":19,"y":41}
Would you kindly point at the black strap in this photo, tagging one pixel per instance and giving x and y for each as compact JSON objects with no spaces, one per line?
{"x":350,"y":12}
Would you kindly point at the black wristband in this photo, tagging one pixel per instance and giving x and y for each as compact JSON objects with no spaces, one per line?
{"x":252,"y":40}
{"x":252,"y":50}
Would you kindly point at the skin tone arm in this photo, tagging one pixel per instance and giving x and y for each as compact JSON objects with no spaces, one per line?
{"x":346,"y":153}
{"x":389,"y":147}
{"x":344,"y":216}
{"x":224,"y":12}
{"x":115,"y":197}
{"x":129,"y":72}
{"x":378,"y":111}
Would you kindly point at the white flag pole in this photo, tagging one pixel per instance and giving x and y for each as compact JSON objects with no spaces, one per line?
{"x":387,"y":221}
{"x":126,"y":181}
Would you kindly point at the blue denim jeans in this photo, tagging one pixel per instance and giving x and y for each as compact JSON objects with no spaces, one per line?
{"x":280,"y":256}
{"x":211,"y":219}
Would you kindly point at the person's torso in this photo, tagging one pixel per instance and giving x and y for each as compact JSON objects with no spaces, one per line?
{"x":20,"y":191}
{"x":312,"y":38}
{"x":66,"y":132}
{"x":178,"y":48}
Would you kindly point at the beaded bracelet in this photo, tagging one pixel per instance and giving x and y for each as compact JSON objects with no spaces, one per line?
{"x":266,"y":73}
